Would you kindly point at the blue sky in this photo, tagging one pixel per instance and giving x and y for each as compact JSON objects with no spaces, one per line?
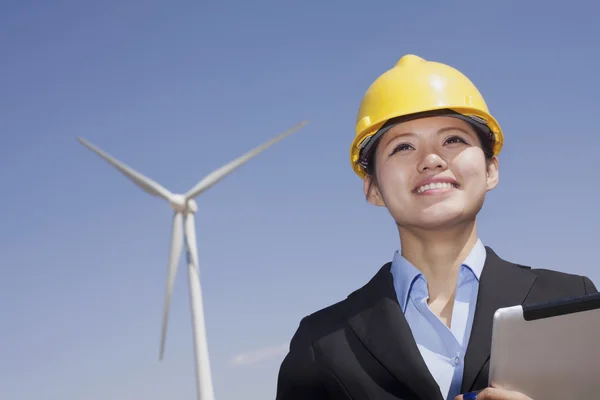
{"x":175,"y":89}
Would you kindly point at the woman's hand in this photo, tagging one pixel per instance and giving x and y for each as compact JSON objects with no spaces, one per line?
{"x":493,"y":394}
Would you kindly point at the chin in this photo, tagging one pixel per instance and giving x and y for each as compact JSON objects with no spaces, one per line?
{"x":441,"y":223}
{"x":440,"y":216}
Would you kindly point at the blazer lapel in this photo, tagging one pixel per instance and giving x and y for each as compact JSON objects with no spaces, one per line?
{"x":376,"y":318}
{"x":502,"y":284}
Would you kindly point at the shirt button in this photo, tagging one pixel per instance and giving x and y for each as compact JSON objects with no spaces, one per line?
{"x":456,"y":360}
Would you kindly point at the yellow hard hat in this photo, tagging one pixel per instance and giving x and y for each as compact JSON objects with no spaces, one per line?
{"x":415,"y":86}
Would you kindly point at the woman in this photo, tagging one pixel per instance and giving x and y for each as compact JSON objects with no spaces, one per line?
{"x":426,"y":148}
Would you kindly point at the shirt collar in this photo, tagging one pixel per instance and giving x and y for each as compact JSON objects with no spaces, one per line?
{"x":405,"y":274}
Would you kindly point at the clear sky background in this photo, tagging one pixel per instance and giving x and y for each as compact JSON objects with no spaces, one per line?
{"x":177,"y":88}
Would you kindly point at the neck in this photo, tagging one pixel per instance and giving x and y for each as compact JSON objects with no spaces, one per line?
{"x":439,"y":255}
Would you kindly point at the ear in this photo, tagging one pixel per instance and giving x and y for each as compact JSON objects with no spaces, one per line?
{"x":492,"y":173}
{"x":372,"y":192}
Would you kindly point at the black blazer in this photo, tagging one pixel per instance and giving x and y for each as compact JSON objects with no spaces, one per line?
{"x":362,"y":347}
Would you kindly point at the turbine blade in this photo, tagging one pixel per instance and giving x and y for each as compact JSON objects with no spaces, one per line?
{"x":174,"y":256}
{"x":225,"y":170}
{"x":147,"y":184}
{"x":190,"y":238}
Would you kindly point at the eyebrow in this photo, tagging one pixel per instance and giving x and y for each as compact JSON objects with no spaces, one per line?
{"x":453,"y":128}
{"x":439,"y":132}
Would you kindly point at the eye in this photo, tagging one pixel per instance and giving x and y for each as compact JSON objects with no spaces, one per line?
{"x":401,"y":147}
{"x":455,"y":139}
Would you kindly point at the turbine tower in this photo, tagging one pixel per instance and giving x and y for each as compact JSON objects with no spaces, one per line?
{"x":184,"y":229}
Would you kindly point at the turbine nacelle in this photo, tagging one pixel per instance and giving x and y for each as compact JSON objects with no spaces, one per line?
{"x":181,"y":204}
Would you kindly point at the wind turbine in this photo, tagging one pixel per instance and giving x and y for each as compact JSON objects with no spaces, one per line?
{"x":184,"y":207}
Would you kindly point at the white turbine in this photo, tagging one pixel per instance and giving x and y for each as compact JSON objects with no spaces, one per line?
{"x":185,"y":207}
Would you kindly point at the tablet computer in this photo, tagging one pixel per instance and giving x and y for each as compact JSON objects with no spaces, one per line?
{"x":548,"y":350}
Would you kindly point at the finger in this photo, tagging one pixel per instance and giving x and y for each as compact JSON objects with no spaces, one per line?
{"x":491,"y":393}
{"x":467,"y":396}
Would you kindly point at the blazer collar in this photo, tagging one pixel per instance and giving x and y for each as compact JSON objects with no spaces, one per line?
{"x":376,"y":318}
{"x":502,"y":284}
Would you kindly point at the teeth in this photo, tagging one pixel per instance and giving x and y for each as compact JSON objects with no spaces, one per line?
{"x":437,"y":185}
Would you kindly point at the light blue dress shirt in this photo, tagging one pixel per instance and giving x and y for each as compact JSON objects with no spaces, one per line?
{"x":442,"y":348}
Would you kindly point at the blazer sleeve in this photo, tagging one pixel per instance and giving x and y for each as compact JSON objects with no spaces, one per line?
{"x":589,"y":286}
{"x":299,"y":375}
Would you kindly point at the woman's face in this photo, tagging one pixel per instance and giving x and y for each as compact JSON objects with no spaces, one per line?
{"x":431,"y":173}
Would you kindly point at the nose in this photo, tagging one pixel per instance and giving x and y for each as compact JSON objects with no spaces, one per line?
{"x":432,"y":161}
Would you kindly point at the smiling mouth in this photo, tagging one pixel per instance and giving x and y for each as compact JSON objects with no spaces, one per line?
{"x":435,"y":186}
